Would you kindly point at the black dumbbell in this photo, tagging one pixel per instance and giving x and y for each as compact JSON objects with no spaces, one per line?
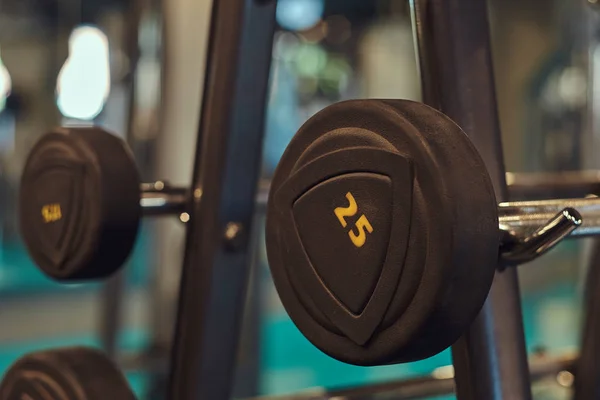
{"x":383,"y":231}
{"x":75,"y":373}
{"x":81,"y":201}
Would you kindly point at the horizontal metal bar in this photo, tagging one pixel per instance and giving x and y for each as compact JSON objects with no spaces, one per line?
{"x":522,"y":218}
{"x":159,"y":198}
{"x":528,"y":229}
{"x":519,"y":250}
{"x":440,"y":382}
{"x":543,"y":185}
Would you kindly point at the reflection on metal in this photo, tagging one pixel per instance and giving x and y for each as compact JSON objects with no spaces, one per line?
{"x":234,"y":235}
{"x":184,"y":217}
{"x":523,"y":218}
{"x":157,"y":186}
{"x":565,"y":378}
{"x":527,"y":248}
{"x":430,"y":386}
{"x":158,"y":198}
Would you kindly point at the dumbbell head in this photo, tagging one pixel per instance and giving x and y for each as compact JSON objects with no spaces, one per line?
{"x":79,"y":204}
{"x":76,"y":373}
{"x":382,"y":231}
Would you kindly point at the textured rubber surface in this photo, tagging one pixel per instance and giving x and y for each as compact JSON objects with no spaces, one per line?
{"x":396,"y":271}
{"x":76,"y":373}
{"x":79,"y":204}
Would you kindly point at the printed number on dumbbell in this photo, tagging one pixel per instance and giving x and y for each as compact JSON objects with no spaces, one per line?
{"x":361,"y":224}
{"x":51,"y":212}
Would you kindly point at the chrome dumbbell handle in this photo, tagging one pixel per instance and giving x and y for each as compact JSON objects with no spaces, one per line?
{"x":528,"y":229}
{"x":522,"y":218}
{"x":159,"y":198}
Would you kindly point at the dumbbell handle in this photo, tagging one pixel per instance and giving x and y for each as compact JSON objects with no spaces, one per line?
{"x":528,"y":228}
{"x":521,"y":218}
{"x":516,"y":219}
{"x":159,"y":198}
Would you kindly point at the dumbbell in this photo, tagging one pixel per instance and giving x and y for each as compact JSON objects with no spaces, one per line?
{"x":383,"y":232}
{"x":81,"y":200}
{"x":74,"y":373}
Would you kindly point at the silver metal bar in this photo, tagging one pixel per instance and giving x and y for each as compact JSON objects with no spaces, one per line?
{"x":158,"y":198}
{"x":522,"y":218}
{"x":543,"y":239}
{"x":518,"y":219}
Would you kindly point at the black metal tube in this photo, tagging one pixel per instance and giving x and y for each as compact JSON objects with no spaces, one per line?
{"x":164,"y":203}
{"x":226,"y":169}
{"x":112,"y":291}
{"x":424,"y":386}
{"x":436,"y":384}
{"x":456,"y":69}
{"x":111,"y":310}
{"x":587,"y":368}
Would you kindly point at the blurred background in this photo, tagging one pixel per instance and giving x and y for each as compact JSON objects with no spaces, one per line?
{"x":136,"y":68}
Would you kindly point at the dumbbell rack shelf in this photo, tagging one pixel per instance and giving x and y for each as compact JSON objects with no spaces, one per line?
{"x":490,"y":360}
{"x":220,"y":205}
{"x":519,"y":218}
{"x":437,"y":384}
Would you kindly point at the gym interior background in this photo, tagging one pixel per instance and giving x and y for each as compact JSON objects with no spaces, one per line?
{"x":146,"y":59}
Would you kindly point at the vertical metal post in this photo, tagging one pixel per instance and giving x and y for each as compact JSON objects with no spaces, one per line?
{"x":227,"y":165}
{"x":111,"y":312}
{"x":490,"y":360}
{"x":112,"y":292}
{"x":587,"y":367}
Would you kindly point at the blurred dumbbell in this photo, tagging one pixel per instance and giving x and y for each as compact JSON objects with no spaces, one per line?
{"x":76,"y":373}
{"x":81,"y":201}
{"x":383,"y":232}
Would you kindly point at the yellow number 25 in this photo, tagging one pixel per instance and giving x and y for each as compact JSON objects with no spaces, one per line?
{"x":362,"y":224}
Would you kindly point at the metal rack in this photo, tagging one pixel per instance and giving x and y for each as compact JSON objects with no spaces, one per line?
{"x":218,"y":254}
{"x":490,"y":361}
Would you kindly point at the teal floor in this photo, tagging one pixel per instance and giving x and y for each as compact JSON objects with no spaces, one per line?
{"x":289,"y":363}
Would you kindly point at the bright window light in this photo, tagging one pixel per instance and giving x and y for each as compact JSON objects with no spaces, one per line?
{"x":83,"y":83}
{"x":297,"y":15}
{"x":5,"y":85}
